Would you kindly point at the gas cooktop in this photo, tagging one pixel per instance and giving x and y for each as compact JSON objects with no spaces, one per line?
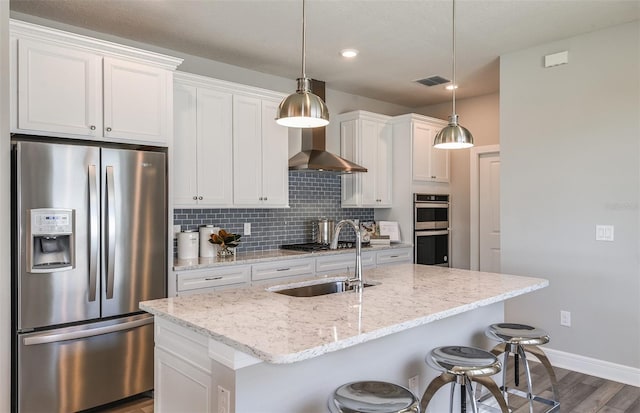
{"x":314,"y":246}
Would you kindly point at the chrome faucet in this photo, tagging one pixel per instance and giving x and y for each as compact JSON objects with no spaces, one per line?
{"x":334,"y":245}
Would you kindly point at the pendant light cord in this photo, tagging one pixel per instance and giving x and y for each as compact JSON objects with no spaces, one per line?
{"x":454,"y":57}
{"x":304,"y":43}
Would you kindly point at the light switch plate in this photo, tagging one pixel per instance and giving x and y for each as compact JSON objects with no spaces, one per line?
{"x":176,"y":229}
{"x":247,"y":228}
{"x":604,"y":232}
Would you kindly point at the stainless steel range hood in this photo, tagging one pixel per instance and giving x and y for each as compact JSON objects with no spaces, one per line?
{"x":314,"y":156}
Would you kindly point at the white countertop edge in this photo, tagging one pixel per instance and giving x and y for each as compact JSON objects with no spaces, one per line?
{"x":348,"y":342}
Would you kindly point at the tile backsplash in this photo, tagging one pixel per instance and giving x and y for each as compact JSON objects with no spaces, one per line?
{"x":311,"y":195}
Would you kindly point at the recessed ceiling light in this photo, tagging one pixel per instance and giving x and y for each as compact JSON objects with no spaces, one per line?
{"x":349,"y":53}
{"x":451,"y":87}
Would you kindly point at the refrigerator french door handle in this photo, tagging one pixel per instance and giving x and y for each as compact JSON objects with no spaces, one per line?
{"x":111,"y":231}
{"x":74,"y":335}
{"x":94,"y":223}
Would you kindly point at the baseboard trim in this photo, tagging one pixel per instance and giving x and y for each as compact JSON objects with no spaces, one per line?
{"x":593,"y":367}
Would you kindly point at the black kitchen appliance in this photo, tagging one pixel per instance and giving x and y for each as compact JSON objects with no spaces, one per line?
{"x":315,"y":246}
{"x":431,"y":229}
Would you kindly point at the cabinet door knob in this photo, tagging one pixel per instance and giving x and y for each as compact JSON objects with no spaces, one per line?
{"x":108,"y":129}
{"x":92,"y":127}
{"x":200,"y":198}
{"x":195,"y":198}
{"x":433,"y":177}
{"x":260,"y":199}
{"x":265,"y":198}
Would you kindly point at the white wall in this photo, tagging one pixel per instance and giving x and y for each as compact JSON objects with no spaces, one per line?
{"x":481,"y":116}
{"x":570,"y":159}
{"x":5,"y":216}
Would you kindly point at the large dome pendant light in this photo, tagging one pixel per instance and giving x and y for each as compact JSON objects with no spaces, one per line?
{"x":453,"y":136}
{"x":303,"y":109}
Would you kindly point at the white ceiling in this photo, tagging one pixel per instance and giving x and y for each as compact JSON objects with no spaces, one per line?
{"x":399,"y":41}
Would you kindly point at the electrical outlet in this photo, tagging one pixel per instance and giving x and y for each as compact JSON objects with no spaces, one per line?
{"x":176,"y":229}
{"x":604,"y":232}
{"x":247,"y":228}
{"x":414,"y":384}
{"x":565,"y":318}
{"x":224,"y":400}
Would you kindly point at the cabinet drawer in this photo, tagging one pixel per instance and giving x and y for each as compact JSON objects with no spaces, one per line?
{"x":394,"y":255}
{"x":343,"y":262}
{"x":280,"y":269}
{"x":194,"y":280}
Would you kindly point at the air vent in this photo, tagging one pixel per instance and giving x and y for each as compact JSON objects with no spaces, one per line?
{"x":433,"y":81}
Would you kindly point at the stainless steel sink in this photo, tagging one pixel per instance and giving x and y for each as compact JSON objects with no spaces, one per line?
{"x":314,"y":290}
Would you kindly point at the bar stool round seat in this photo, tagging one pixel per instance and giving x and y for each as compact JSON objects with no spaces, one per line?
{"x":373,"y":397}
{"x":469,"y":361}
{"x":517,"y":334}
{"x":519,"y":339}
{"x":462,"y":365}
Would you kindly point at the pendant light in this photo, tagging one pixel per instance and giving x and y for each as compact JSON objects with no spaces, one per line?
{"x":303,"y":109}
{"x":453,"y":136}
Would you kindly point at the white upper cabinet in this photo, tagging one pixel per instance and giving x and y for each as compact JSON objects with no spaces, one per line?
{"x":59,"y":89}
{"x":136,"y":101}
{"x":202,"y":149}
{"x":260,"y":153}
{"x":428,"y":163}
{"x":366,"y":139}
{"x":228,"y":150}
{"x":73,"y":86}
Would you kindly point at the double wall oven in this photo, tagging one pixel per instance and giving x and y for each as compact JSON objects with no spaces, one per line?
{"x":431,"y":229}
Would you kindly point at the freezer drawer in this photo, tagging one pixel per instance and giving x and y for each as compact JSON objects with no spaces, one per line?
{"x":80,"y":367}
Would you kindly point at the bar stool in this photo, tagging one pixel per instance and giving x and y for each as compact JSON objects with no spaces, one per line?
{"x":462,"y":365}
{"x":519,"y":339}
{"x":373,"y":397}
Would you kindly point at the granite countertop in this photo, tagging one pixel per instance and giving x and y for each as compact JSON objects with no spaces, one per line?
{"x":280,"y":329}
{"x":271,"y":255}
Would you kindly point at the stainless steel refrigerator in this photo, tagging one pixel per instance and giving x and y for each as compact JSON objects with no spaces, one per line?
{"x":90,"y":231}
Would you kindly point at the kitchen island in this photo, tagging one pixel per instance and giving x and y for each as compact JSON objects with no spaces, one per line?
{"x":254,"y":350}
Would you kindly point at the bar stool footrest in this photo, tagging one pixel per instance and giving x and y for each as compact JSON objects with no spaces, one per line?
{"x":554,"y":406}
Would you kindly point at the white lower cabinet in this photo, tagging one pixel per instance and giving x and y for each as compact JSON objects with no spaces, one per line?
{"x":190,"y":371}
{"x":282,"y":269}
{"x":214,"y":279}
{"x":341,"y":263}
{"x":394,"y":256}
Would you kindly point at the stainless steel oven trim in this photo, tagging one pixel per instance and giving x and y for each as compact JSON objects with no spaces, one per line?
{"x":431,"y":233}
{"x":431,"y":225}
{"x":431,"y":204}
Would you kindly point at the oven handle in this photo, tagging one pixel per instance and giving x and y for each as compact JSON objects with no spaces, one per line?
{"x":431,"y":233}
{"x":430,"y":205}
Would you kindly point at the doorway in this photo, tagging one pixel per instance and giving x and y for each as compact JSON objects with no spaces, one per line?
{"x":485,"y":208}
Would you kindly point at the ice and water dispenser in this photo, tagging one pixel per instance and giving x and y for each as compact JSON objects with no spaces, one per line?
{"x":51,"y":240}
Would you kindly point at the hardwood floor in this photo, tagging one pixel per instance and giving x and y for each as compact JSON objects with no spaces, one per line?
{"x":579,"y":393}
{"x":142,"y":404}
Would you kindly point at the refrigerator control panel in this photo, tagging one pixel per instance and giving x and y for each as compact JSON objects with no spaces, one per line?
{"x":51,"y":245}
{"x":51,"y":221}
